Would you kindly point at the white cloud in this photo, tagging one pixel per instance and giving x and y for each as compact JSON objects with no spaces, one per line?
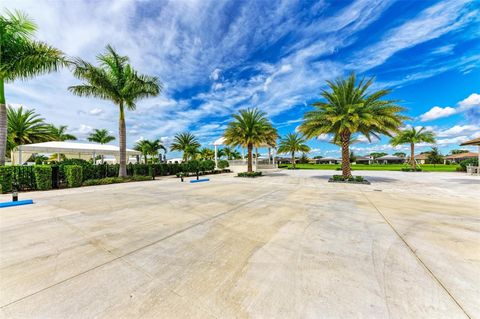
{"x":96,"y":111}
{"x":437,"y":112}
{"x":472,"y":102}
{"x":324,"y":137}
{"x":459,"y":130}
{"x":453,"y":140}
{"x":431,"y":23}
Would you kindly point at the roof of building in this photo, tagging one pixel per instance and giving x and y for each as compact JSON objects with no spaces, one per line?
{"x":73,"y":148}
{"x":328,"y":159}
{"x":475,"y":141}
{"x":422,"y":156}
{"x":461,"y":155}
{"x":364,"y":158}
{"x":390,"y":157}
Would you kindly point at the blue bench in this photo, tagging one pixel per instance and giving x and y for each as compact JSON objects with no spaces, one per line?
{"x":199,"y":180}
{"x":17,"y":203}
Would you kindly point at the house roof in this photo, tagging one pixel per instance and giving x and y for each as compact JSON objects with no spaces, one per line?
{"x":422,"y":156}
{"x":73,"y":148}
{"x":462,"y":155}
{"x":328,"y":159}
{"x":364,"y":158}
{"x":475,"y":141}
{"x":390,"y":157}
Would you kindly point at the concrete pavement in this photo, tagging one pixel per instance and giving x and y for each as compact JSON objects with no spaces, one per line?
{"x":287,"y":245}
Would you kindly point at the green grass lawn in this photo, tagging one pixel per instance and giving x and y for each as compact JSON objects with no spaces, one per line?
{"x":377,"y":167}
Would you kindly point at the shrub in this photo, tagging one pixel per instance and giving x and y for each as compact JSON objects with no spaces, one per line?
{"x":114,"y":180}
{"x":206,"y":165}
{"x":350,"y":179}
{"x":222,"y":164}
{"x":6,"y":178}
{"x":468,"y":162}
{"x":249,"y":174}
{"x":88,"y":169}
{"x":410,"y":169}
{"x":43,"y":176}
{"x":73,"y":175}
{"x":24,"y":177}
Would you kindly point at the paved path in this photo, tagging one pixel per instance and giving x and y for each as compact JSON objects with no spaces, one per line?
{"x":287,"y":245}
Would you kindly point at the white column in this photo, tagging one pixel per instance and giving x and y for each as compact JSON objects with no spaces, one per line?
{"x":216,"y":160}
{"x":94,"y":158}
{"x":478,"y":164}
{"x":20,"y":155}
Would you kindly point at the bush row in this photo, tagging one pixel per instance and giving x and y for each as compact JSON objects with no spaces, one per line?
{"x":74,"y":172}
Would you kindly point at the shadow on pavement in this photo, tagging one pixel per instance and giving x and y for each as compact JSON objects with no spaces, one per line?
{"x":464,"y":181}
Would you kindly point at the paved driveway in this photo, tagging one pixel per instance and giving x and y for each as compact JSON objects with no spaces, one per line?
{"x":287,"y":245}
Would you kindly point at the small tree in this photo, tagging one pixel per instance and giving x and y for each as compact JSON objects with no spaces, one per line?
{"x":434,"y":156}
{"x":291,"y":143}
{"x":412,"y":136}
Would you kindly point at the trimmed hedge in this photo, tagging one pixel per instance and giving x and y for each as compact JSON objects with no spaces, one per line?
{"x":74,"y":175}
{"x":113,"y":180}
{"x":6,"y":178}
{"x":222,"y":164}
{"x":43,"y":176}
{"x":249,"y":174}
{"x":30,"y":177}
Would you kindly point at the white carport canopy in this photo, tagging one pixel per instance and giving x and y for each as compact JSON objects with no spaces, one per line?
{"x":70,"y":149}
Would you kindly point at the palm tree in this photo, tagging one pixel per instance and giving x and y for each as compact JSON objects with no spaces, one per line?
{"x":228,"y":152}
{"x":207,"y":154}
{"x":291,"y":143}
{"x":348,"y":110}
{"x":60,"y":133}
{"x":101,"y":136}
{"x":250,"y":128}
{"x":412,"y":136}
{"x":25,"y":127}
{"x":187,"y":143}
{"x":21,"y":57}
{"x":115,"y":80}
{"x":147,"y":147}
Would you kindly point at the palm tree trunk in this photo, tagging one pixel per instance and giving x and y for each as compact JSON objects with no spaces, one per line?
{"x":412,"y":156}
{"x":249,"y":158}
{"x":293,"y":160}
{"x":122,"y":133}
{"x":3,"y":123}
{"x":346,"y":171}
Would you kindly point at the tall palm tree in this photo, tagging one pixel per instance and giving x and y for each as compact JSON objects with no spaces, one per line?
{"x":21,"y":57}
{"x":250,"y":128}
{"x":412,"y":136}
{"x":60,"y":133}
{"x":187,"y":143}
{"x":101,"y":136}
{"x":348,"y":109}
{"x":115,"y":80}
{"x":25,"y":127}
{"x":291,"y":143}
{"x":149,"y":148}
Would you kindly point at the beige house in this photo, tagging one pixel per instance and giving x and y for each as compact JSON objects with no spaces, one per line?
{"x":422,"y":158}
{"x":457,"y":158}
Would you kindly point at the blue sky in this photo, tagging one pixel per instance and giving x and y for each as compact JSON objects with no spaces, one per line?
{"x":216,"y":57}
